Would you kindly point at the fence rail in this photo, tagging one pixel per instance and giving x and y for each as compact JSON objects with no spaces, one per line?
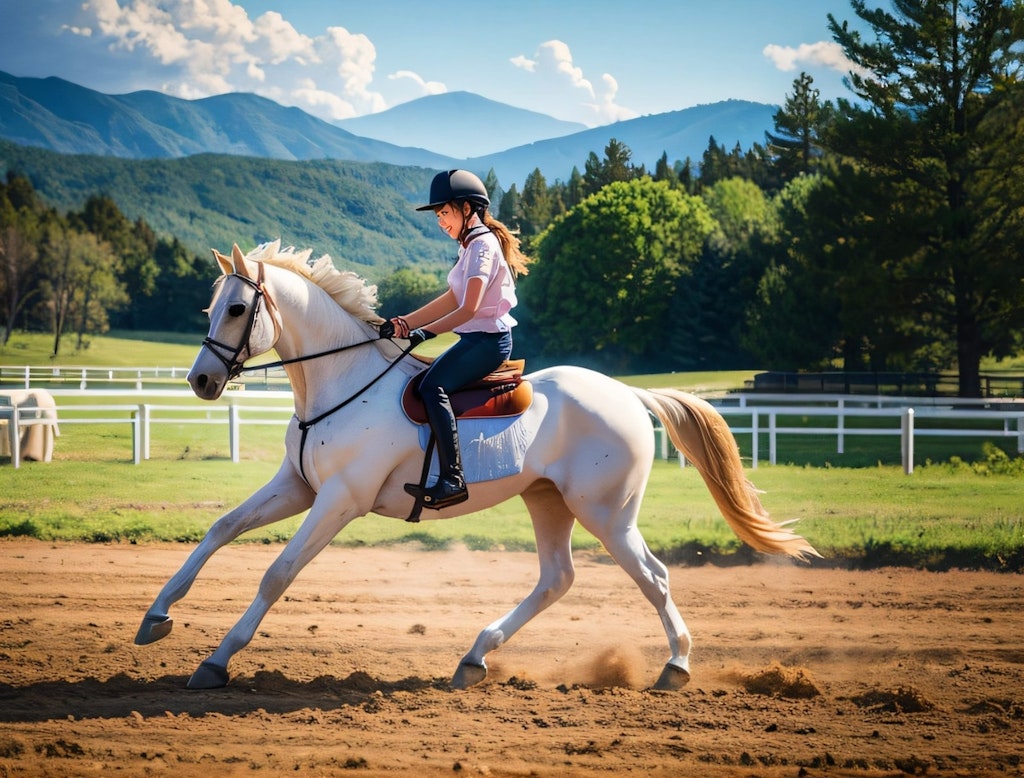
{"x":137,"y":378}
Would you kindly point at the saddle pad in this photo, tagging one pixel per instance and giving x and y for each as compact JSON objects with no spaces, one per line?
{"x":502,"y":393}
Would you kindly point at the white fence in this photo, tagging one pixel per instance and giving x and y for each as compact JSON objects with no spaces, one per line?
{"x":759,"y":415}
{"x":234,"y":410}
{"x":138,"y":378}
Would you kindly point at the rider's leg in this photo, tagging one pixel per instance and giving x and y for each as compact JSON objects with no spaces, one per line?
{"x":472,"y":357}
{"x":450,"y":488}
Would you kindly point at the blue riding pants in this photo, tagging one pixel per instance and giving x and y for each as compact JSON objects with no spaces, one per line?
{"x":473,"y":356}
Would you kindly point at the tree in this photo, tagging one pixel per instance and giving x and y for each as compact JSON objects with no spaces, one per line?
{"x":508,"y":210}
{"x":602,"y":283}
{"x":20,"y":227}
{"x":798,"y":125}
{"x":80,"y":281}
{"x":407,"y":289}
{"x":615,"y":166}
{"x":534,"y":205}
{"x":133,"y":245}
{"x":931,"y":85}
{"x":711,"y":300}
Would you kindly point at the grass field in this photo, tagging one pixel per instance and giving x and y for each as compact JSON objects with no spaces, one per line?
{"x":962,"y":510}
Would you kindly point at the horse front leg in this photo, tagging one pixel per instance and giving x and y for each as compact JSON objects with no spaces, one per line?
{"x":325,"y":520}
{"x":280,"y":498}
{"x":552,"y":527}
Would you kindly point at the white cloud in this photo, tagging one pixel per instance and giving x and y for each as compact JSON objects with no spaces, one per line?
{"x":524,"y":63}
{"x":553,"y":63}
{"x":212,"y":47}
{"x":426,"y":87}
{"x":823,"y":53}
{"x":555,"y":55}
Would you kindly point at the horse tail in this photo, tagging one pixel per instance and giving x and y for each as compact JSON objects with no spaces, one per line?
{"x":704,"y":437}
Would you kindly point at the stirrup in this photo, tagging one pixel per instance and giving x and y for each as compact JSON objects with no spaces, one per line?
{"x":443,"y":494}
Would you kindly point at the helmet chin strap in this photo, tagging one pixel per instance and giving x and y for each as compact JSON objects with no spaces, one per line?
{"x":467,"y":230}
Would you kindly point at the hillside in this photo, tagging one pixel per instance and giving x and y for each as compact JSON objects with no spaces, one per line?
{"x":360,"y":213}
{"x":57,"y":115}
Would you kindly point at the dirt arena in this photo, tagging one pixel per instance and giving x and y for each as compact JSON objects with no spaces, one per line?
{"x":797,"y":671}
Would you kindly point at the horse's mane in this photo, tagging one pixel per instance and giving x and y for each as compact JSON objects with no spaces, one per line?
{"x":346,"y":288}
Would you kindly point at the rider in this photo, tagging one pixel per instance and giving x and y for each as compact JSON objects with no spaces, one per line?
{"x":476,"y":305}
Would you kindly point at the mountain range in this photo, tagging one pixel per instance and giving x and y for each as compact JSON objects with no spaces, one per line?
{"x":61,"y":116}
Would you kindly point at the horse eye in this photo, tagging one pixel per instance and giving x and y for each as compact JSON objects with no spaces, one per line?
{"x":236,"y":309}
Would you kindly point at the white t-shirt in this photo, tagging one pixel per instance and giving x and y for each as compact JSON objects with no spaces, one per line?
{"x":483,"y":258}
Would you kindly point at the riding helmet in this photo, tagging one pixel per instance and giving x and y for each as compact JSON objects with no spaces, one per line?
{"x":456,"y":185}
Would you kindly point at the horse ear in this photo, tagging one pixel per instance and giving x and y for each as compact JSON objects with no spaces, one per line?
{"x":224,"y":262}
{"x":239,"y":262}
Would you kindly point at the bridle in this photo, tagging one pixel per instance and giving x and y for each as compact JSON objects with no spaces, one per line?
{"x":229,"y":355}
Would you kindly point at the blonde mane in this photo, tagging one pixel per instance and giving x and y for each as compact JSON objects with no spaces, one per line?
{"x":346,"y":288}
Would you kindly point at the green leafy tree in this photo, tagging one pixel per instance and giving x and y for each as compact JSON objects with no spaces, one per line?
{"x":80,"y":282}
{"x":711,"y":301}
{"x":133,"y":245}
{"x":20,"y":230}
{"x":98,"y":288}
{"x":182,"y":289}
{"x":601,"y":287}
{"x":939,"y":104}
{"x":407,"y":289}
{"x":793,"y":322}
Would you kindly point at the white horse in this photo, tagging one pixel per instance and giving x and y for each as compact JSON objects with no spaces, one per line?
{"x":350,"y":449}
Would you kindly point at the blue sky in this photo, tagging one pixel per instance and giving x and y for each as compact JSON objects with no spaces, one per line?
{"x":588,"y":61}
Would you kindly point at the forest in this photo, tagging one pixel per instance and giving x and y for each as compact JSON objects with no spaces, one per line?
{"x":881,"y":232}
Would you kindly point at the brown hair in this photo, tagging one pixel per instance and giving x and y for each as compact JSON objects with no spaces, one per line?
{"x":517,"y":261}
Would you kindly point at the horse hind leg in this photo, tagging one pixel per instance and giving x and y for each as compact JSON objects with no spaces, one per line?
{"x":552,"y":525}
{"x":283,"y":496}
{"x":631,"y":553}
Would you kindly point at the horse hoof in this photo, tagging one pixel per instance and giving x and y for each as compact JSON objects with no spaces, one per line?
{"x":468,"y":674}
{"x":672,"y":679}
{"x":209,"y":676}
{"x":152,"y":629}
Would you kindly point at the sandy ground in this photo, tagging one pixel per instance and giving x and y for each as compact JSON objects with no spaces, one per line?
{"x":797,"y":671}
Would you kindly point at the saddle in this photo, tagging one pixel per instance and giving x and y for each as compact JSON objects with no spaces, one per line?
{"x":501,"y":393}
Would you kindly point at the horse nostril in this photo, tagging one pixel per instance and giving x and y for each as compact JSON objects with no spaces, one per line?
{"x":201,"y":381}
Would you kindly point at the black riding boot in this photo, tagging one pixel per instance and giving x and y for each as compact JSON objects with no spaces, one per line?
{"x":450,"y":488}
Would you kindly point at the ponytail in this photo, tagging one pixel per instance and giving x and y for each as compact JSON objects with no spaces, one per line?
{"x":517,"y":261}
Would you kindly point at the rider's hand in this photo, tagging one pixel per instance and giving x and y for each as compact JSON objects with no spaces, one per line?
{"x":418,"y":336}
{"x":386,"y":330}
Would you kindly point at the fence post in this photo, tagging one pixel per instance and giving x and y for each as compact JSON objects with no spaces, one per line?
{"x":144,"y":413}
{"x":771,"y":438}
{"x":755,"y":443}
{"x":233,"y":431}
{"x":840,"y":426}
{"x":907,"y":441}
{"x":14,"y":434}
{"x":136,"y":436}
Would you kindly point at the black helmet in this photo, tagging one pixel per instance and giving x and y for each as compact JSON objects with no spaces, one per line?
{"x":456,"y":185}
